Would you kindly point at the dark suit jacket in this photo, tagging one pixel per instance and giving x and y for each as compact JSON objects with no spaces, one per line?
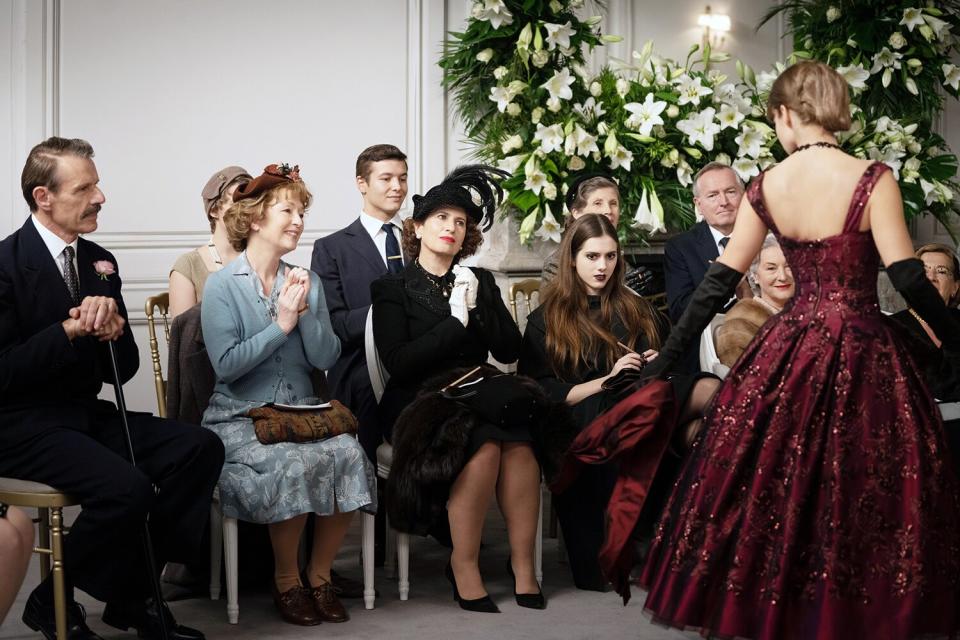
{"x":45,"y":380}
{"x":347,"y":262}
{"x":686,"y":258}
{"x":418,"y":339}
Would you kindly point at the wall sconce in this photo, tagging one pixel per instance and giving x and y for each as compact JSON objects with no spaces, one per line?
{"x":715,"y":27}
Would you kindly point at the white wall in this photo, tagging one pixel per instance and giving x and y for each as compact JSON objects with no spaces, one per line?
{"x":168,"y":92}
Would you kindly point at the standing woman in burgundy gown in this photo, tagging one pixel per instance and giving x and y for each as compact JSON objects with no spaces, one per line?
{"x":820,"y":500}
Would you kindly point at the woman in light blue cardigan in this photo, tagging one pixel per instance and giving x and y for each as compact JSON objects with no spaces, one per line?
{"x":266,"y":327}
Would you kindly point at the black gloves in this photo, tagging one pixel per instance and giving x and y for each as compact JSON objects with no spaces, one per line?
{"x":910,"y":280}
{"x":709,"y":298}
{"x":640,"y":280}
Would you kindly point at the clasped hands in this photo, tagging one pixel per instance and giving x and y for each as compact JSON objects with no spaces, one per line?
{"x":95,"y":316}
{"x":292,"y":301}
{"x":463,"y":296}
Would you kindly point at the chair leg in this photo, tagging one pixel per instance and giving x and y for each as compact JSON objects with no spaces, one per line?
{"x":216,"y":549}
{"x":230,"y":557}
{"x":59,"y":588}
{"x":538,"y":545}
{"x":44,"y":537}
{"x":390,"y":552}
{"x":368,"y":534}
{"x":403,"y":561}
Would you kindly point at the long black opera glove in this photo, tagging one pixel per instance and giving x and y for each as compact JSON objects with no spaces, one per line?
{"x":909,"y":279}
{"x":709,"y":298}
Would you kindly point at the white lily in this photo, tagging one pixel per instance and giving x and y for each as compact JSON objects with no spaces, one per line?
{"x":581,"y":143}
{"x":554,"y":105}
{"x":911,"y":170}
{"x":855,"y":75}
{"x":765,"y":81}
{"x":500,"y":72}
{"x":536,"y":114}
{"x":535,"y":181}
{"x":549,"y":227}
{"x":833,"y":14}
{"x":729,"y":116}
{"x":502,"y":96}
{"x":510,"y":164}
{"x":940,"y":27}
{"x":550,"y":138}
{"x":700,"y":128}
{"x":684,"y":173}
{"x":559,"y":85}
{"x":590,"y":110}
{"x":540,"y":58}
{"x":729,"y":94}
{"x":912,"y":17}
{"x":622,"y":157}
{"x":886,"y":59}
{"x":558,"y":35}
{"x":485,"y":56}
{"x":936,"y":191}
{"x":527,"y":225}
{"x":750,"y":141}
{"x":576,"y":163}
{"x":623,"y":86}
{"x":896,"y":40}
{"x":645,"y":115}
{"x":691,"y":89}
{"x":746,"y":168}
{"x":595,"y":89}
{"x":649,"y":214}
{"x":496,"y":12}
{"x":951,"y":75}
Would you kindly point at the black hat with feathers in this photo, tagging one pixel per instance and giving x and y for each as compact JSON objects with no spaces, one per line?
{"x":475,"y":188}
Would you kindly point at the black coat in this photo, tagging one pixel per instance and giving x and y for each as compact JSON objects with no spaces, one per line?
{"x":686,"y":258}
{"x":418,"y":339}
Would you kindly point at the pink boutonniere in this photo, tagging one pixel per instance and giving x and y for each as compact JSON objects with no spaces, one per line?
{"x":104,"y":268}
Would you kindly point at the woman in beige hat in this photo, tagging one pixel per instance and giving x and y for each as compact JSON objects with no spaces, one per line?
{"x":190,"y":271}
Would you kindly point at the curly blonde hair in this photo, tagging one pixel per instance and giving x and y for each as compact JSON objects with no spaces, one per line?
{"x":242,"y":214}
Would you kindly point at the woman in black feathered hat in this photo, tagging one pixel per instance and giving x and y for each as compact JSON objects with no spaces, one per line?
{"x":432,"y":323}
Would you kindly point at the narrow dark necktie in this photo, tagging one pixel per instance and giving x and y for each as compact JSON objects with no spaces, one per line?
{"x":394,"y":257}
{"x":70,"y":274}
{"x":723,"y":243}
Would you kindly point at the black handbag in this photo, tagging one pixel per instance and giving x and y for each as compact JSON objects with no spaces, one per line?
{"x":500,"y":399}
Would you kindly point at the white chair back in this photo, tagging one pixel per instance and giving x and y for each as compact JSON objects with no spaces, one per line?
{"x":709,"y":361}
{"x":378,"y":374}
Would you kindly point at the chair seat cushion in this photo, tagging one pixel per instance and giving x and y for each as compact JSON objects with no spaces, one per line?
{"x":25,"y":486}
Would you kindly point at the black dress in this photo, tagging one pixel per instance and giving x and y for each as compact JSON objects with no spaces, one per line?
{"x":417,"y":339}
{"x":580,"y":508}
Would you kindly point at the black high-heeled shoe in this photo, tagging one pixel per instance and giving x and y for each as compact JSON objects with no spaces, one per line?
{"x":528,"y":600}
{"x":481,"y":605}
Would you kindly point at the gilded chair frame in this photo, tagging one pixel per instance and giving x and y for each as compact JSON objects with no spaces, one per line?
{"x":154,"y":306}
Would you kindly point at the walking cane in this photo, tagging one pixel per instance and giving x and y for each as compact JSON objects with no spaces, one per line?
{"x":145,"y":535}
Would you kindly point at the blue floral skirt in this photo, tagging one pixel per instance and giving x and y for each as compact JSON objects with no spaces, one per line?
{"x":274,"y":482}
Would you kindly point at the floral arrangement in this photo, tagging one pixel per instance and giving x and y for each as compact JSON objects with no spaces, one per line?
{"x":897,"y":57}
{"x":521,"y":87}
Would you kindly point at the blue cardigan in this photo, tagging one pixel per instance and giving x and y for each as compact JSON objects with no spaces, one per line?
{"x":252,"y":358}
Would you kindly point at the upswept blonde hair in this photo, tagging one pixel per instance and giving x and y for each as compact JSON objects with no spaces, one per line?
{"x":816,"y":92}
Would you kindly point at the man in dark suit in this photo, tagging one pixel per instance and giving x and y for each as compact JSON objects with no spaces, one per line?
{"x":347,"y":262}
{"x":717,"y":190}
{"x":60,"y":303}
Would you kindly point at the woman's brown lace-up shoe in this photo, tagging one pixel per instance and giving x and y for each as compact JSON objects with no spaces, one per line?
{"x":327,"y":605}
{"x":296,"y":606}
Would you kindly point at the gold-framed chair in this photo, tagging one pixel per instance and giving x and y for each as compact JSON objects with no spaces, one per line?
{"x":154,"y":306}
{"x":527,"y":288}
{"x":659,"y":301}
{"x":49,"y":504}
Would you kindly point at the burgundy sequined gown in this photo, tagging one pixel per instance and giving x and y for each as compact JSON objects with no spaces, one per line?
{"x":820,"y":502}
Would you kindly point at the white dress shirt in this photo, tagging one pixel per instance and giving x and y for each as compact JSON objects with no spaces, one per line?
{"x":717,"y":237}
{"x":374,"y":227}
{"x":55,"y":244}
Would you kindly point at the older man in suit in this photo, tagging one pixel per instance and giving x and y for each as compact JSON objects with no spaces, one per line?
{"x":60,"y":303}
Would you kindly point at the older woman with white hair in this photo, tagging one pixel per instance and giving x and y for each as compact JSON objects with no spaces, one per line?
{"x":772,"y":283}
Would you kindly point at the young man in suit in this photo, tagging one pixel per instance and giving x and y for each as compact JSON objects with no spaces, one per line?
{"x":347,"y":261}
{"x":60,"y":303}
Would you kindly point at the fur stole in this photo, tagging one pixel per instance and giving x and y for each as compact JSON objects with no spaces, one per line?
{"x":741,"y":323}
{"x":430,"y":440}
